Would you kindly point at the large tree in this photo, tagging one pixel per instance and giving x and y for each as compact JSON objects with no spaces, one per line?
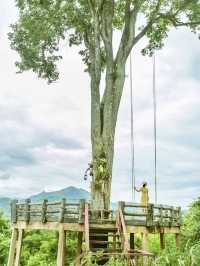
{"x":91,"y":24}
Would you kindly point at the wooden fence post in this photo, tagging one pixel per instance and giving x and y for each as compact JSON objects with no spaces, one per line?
{"x":161,"y":216}
{"x":62,"y":210}
{"x":19,"y":246}
{"x":172,"y":217}
{"x":11,"y":256}
{"x":178,"y":240}
{"x":44,"y":211}
{"x":162,"y":240}
{"x":179,"y":216}
{"x":14,"y":211}
{"x":132,"y":241}
{"x":27,"y":210}
{"x":150,"y":214}
{"x":145,"y":247}
{"x":81,"y":210}
{"x":61,"y":247}
{"x":79,"y":247}
{"x":87,"y":237}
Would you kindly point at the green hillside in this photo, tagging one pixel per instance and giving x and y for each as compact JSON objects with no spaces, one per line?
{"x":70,"y":193}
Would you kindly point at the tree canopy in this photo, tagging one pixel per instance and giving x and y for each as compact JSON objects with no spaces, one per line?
{"x":90,"y":23}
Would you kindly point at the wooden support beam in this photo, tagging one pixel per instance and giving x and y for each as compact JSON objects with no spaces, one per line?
{"x":145,"y":248}
{"x":19,"y":246}
{"x":178,"y":240}
{"x":79,"y":248}
{"x":145,"y":242}
{"x":114,"y":242}
{"x":126,"y":243}
{"x":162,"y":240}
{"x":61,"y":247}
{"x":86,"y":224}
{"x":27,"y":208}
{"x":11,"y":256}
{"x":132,"y":241}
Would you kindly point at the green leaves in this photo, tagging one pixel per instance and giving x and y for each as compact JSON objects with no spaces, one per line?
{"x":37,"y":34}
{"x":36,"y":38}
{"x":44,"y":23}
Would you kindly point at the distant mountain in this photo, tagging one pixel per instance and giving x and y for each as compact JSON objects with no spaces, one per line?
{"x":70,"y":193}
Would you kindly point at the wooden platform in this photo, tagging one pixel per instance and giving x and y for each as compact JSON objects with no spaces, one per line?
{"x":95,"y":228}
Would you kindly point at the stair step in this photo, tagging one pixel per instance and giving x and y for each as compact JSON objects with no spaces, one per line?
{"x":102,"y":230}
{"x":108,"y":250}
{"x":99,"y":234}
{"x":98,"y":242}
{"x":103,"y":242}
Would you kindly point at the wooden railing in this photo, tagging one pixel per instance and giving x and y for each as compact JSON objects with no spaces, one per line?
{"x":57,"y":211}
{"x":122,"y":227}
{"x":151,"y":215}
{"x":65,"y":211}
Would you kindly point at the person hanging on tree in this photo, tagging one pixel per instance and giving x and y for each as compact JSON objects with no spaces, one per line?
{"x":144,"y":200}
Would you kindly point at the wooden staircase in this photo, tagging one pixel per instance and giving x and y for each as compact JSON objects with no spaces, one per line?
{"x":105,"y":240}
{"x":111,"y":241}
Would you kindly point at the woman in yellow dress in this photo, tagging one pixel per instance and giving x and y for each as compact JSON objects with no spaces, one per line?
{"x":144,"y":200}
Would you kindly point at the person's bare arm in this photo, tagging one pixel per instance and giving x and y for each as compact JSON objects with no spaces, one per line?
{"x":138,"y":190}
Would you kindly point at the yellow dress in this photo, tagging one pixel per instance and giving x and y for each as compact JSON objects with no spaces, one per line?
{"x":144,"y":196}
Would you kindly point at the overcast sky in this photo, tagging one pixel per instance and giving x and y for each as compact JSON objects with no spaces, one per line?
{"x":45,"y":129}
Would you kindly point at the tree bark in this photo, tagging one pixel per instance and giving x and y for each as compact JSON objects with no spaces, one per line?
{"x":103,"y":144}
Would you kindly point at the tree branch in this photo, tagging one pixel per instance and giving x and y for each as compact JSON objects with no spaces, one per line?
{"x":192,"y":23}
{"x":127,"y":43}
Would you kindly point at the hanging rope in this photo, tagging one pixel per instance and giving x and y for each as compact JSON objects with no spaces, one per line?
{"x":132,"y":132}
{"x":155,"y":126}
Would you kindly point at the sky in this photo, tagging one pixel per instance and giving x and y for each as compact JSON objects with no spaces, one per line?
{"x":45,"y":129}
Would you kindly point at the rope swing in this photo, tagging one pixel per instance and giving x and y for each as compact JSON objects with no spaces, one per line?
{"x":133,"y":178}
{"x":132,"y":131}
{"x":155,"y":126}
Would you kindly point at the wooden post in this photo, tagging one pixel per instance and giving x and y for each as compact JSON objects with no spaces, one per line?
{"x":115,"y":240}
{"x":132,"y":241}
{"x":149,"y":218}
{"x":14,"y":211}
{"x":145,"y":248}
{"x":79,"y":248}
{"x":162,"y":240}
{"x":27,"y":210}
{"x":87,"y":237}
{"x":172,"y":221}
{"x":161,"y":216}
{"x":61,"y":247}
{"x":145,"y":241}
{"x":19,"y":245}
{"x":178,"y":240}
{"x":126,"y":244}
{"x":179,"y":217}
{"x":11,"y":256}
{"x":44,"y":211}
{"x":62,"y":210}
{"x":81,"y":210}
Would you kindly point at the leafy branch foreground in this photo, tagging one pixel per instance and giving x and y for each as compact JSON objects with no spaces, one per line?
{"x":40,"y":247}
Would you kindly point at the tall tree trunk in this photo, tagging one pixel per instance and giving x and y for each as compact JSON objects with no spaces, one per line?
{"x":103,"y":143}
